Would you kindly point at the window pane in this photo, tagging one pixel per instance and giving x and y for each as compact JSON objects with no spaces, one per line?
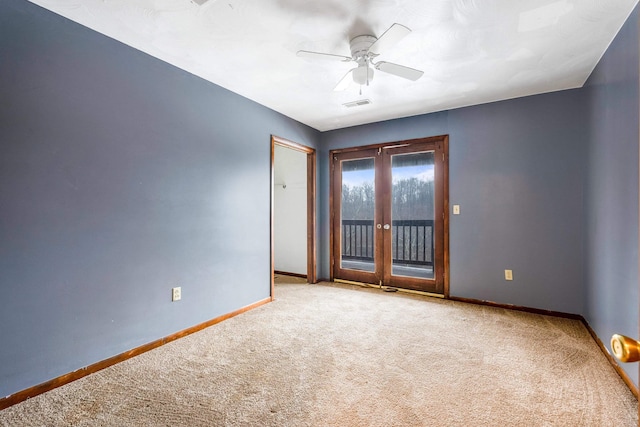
{"x":412,"y":214}
{"x":357,"y":214}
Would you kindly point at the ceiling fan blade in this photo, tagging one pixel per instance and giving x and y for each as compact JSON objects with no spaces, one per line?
{"x":399,"y":70}
{"x":393,"y":35}
{"x":344,"y":82}
{"x":323,"y":56}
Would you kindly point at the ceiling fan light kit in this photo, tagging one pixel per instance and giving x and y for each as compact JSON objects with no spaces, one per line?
{"x":362,"y":75}
{"x":364,"y":49}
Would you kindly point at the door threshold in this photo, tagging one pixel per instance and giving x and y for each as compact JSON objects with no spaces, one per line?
{"x":352,"y":282}
{"x":389,"y":288}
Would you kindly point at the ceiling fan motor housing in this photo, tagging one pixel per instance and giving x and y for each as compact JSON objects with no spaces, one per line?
{"x":360,"y":47}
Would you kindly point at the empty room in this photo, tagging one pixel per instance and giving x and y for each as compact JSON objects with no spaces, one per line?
{"x":281,"y":212}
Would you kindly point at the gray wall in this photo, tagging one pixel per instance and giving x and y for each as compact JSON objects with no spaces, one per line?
{"x":516,"y":170}
{"x":120,"y":177}
{"x":611,"y":205}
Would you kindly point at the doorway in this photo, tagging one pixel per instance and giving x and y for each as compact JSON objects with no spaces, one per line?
{"x":389,"y":215}
{"x":308,"y":181}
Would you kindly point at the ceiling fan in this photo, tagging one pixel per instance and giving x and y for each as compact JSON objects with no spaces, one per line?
{"x":364,"y":49}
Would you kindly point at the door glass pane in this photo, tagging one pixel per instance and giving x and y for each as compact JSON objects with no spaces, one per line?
{"x":357,"y":214}
{"x":412,"y":214}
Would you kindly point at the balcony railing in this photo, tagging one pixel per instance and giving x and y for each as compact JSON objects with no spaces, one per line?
{"x":412,"y":241}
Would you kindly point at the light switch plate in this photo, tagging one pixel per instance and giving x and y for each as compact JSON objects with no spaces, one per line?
{"x":456,"y":209}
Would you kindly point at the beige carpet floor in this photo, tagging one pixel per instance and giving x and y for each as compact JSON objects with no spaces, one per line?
{"x":334,"y":355}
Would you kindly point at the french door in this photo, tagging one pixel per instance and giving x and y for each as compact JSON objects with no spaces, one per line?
{"x":389,"y":214}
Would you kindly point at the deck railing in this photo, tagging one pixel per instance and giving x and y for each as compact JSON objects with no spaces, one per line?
{"x":412,"y":241}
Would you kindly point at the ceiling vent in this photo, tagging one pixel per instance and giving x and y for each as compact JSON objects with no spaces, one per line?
{"x":358,"y":103}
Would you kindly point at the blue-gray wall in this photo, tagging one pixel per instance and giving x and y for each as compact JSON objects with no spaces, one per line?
{"x":516,"y":170}
{"x":611,"y":201}
{"x":120,"y":177}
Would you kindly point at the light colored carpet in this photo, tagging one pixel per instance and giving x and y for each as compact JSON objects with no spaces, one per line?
{"x":333,"y":355}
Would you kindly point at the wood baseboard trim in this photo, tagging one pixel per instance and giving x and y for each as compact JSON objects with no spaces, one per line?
{"x":30,"y":392}
{"x":614,"y":363}
{"x":518,"y":308}
{"x":611,"y":359}
{"x":284,"y":273}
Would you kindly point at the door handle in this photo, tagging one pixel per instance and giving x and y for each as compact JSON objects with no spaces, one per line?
{"x":625,"y":349}
{"x":379,"y":226}
{"x":387,"y":226}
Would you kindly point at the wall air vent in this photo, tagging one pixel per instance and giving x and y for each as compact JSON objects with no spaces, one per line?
{"x":358,"y":103}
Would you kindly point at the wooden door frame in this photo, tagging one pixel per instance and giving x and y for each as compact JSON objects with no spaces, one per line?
{"x":445,"y":148}
{"x":336,"y":183}
{"x":311,"y":206}
{"x":440,"y":153}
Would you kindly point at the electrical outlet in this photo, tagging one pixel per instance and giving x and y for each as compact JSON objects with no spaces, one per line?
{"x":176,"y":294}
{"x":508,"y":275}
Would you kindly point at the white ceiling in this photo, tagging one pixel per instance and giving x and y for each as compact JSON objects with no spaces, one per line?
{"x":472,"y":51}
